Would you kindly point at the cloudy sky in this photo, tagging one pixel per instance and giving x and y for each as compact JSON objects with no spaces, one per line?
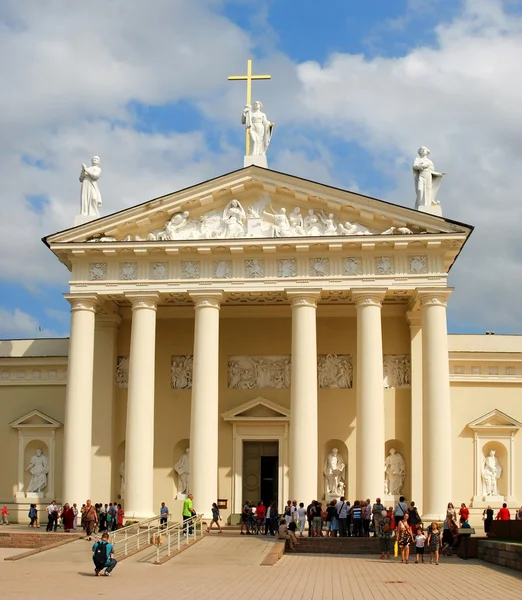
{"x":356,"y":88}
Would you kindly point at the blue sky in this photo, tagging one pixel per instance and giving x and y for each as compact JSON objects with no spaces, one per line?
{"x":355,"y":89}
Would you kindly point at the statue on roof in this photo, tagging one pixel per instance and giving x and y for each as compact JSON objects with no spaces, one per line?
{"x":90,"y":193}
{"x":427,"y":180}
{"x":258,"y":128}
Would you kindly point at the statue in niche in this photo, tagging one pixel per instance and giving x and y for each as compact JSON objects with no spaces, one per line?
{"x":334,"y":474}
{"x":90,"y":194}
{"x":182,"y":468}
{"x":491,"y":472}
{"x":234,"y":217}
{"x":395,"y":472}
{"x":258,"y":128}
{"x":39,"y":468}
{"x":122,"y":480}
{"x":427,"y":180}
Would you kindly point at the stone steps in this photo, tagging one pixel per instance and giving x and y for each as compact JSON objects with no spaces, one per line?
{"x":337,"y":545}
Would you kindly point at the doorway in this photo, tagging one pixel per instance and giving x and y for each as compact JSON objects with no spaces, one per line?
{"x":260,"y":472}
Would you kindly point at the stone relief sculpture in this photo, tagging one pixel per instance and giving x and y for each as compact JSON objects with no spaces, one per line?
{"x":334,"y":371}
{"x":39,"y":469}
{"x":90,"y":194}
{"x":122,"y":480}
{"x":426,"y":179}
{"x":491,"y":473}
{"x":333,"y":471}
{"x":122,"y":372}
{"x":395,"y":472}
{"x":258,"y":128}
{"x":251,"y":372}
{"x":234,"y":217}
{"x":397,"y":370}
{"x":181,"y":372}
{"x":182,"y":468}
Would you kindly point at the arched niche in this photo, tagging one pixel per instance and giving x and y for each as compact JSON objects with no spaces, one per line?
{"x":178,"y":451}
{"x":400,"y":448}
{"x":502,"y":453}
{"x":342,"y":450}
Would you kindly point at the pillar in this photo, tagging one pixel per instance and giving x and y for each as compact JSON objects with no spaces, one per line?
{"x":77,"y":451}
{"x":303,"y":456}
{"x":203,"y":482}
{"x":370,"y":435}
{"x":139,"y":438}
{"x":436,"y":404}
{"x":416,"y":454}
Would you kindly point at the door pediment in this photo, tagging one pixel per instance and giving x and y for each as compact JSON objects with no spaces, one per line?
{"x":495,"y":419}
{"x":258,"y":409}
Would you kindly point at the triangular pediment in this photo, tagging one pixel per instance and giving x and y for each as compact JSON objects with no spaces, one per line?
{"x":495,"y":419}
{"x":267,"y":204}
{"x":258,"y":409}
{"x":35,"y":420}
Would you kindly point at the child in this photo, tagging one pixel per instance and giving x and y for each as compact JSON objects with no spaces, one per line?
{"x":216,"y":517}
{"x":434,"y":543}
{"x":420,"y":541}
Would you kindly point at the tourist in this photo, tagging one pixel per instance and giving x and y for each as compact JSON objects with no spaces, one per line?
{"x":164,"y":514}
{"x":367,"y":517}
{"x":89,"y":518}
{"x":260,"y":514}
{"x":357,"y":520}
{"x":5,"y":512}
{"x":404,"y":537}
{"x":503,"y":513}
{"x":101,"y":556}
{"x":292,"y":528}
{"x":463,"y":513}
{"x":400,"y":509}
{"x":331,"y":512}
{"x":273,"y":518}
{"x":451,"y":512}
{"x":317,"y":519}
{"x":103,"y":516}
{"x":448,"y":535}
{"x":413,"y":516}
{"x":52,"y":516}
{"x":420,"y":541}
{"x":487,"y":517}
{"x":113,"y":511}
{"x":288,"y":512}
{"x":301,"y":518}
{"x":384,"y":531}
{"x":377,"y":509}
{"x":245,"y":516}
{"x":294,"y":510}
{"x":216,"y":518}
{"x":518,"y":514}
{"x":343,"y":508}
{"x":434,"y":543}
{"x":121,"y":517}
{"x":188,"y":513}
{"x":33,"y":515}
{"x":283,"y":533}
{"x":67,"y":516}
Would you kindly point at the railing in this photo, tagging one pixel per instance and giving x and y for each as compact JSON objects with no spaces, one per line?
{"x":135,"y":537}
{"x":172,"y":536}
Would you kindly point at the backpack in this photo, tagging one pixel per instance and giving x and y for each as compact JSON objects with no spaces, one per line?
{"x":100,"y":555}
{"x":288,"y":511}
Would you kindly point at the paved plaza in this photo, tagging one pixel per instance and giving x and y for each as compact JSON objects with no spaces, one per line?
{"x":228,"y":568}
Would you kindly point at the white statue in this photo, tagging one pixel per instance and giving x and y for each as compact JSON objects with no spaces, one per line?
{"x":234,"y":217}
{"x":295,"y":218}
{"x":395,"y":469}
{"x":90,"y":194}
{"x":353,"y":229}
{"x":39,"y":468}
{"x":258,"y":128}
{"x":281,"y":225}
{"x":427,"y":180}
{"x":491,"y":472}
{"x":333,"y":474}
{"x":122,"y":480}
{"x":182,"y":468}
{"x":330,"y":228}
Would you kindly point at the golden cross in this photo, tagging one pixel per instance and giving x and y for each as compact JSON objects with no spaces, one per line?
{"x":248,"y":78}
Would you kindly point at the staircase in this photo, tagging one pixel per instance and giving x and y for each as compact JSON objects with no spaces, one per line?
{"x":337,"y":545}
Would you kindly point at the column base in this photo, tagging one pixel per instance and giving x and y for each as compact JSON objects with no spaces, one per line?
{"x":485,"y":501}
{"x":139,"y":516}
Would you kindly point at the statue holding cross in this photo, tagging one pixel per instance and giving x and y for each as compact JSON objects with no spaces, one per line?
{"x":258,"y":127}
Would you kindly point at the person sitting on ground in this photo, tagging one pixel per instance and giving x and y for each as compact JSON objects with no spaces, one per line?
{"x":101,"y":556}
{"x":285,"y":534}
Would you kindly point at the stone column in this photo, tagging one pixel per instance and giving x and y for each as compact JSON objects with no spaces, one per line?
{"x":139,"y":439}
{"x":415,"y":468}
{"x":436,"y":404}
{"x":303,"y":455}
{"x":77,"y":450}
{"x":370,"y":435}
{"x":204,"y":412}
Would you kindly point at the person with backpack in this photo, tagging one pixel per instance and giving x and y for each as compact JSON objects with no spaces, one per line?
{"x":102,"y":558}
{"x":401,"y":508}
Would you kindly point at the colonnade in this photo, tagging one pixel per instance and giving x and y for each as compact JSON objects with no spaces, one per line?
{"x":303,"y":439}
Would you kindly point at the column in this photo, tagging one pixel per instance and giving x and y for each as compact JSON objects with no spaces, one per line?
{"x":303,"y":455}
{"x":370,"y":436}
{"x":436,"y":403}
{"x":77,"y":451}
{"x":139,"y":438}
{"x":203,"y":482}
{"x":415,"y":466}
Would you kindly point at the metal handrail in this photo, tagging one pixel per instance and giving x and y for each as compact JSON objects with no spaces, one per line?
{"x":171,"y":537}
{"x":134,"y":537}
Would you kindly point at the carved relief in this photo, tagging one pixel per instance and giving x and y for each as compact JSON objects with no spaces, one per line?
{"x":122,"y":372}
{"x":352,"y":265}
{"x":384,"y":265}
{"x":286,"y":267}
{"x":335,"y":371}
{"x":128,"y":270}
{"x":397,"y":370}
{"x":159,"y":270}
{"x":222,"y":269}
{"x":181,"y":372}
{"x":250,"y":372}
{"x":319,"y":267}
{"x":510,"y":371}
{"x":190,"y":269}
{"x":418,"y":264}
{"x":98,"y":271}
{"x":254,"y":268}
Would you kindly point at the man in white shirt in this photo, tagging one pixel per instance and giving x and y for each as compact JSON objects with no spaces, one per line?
{"x":343,"y":509}
{"x":52,"y":516}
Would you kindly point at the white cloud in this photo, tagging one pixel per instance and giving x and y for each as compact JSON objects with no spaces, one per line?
{"x":18,"y":324}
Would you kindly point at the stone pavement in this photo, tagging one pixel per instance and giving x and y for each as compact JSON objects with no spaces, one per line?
{"x":227,"y":568}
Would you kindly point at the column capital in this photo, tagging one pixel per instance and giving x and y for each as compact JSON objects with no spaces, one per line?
{"x":433,"y":296}
{"x":143,"y":300}
{"x":205,"y":299}
{"x":86,"y":302}
{"x":304,"y":297}
{"x":368,"y":296}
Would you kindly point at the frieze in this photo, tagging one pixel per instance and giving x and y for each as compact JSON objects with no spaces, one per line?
{"x":397,"y":371}
{"x":35,"y":375}
{"x":418,"y":264}
{"x":319,"y":267}
{"x":159,"y":270}
{"x":122,"y":372}
{"x":222,"y":269}
{"x":181,"y":371}
{"x":259,"y":372}
{"x":384,"y":265}
{"x":98,"y":271}
{"x":335,"y":371}
{"x":254,"y":268}
{"x":287,"y":267}
{"x":128,"y":271}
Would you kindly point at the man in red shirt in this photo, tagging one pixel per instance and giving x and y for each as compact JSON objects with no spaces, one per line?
{"x":503,"y":513}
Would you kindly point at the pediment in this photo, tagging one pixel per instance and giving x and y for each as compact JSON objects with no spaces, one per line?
{"x":256,"y":203}
{"x":495,"y":419}
{"x":258,"y":409}
{"x":35,"y":420}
